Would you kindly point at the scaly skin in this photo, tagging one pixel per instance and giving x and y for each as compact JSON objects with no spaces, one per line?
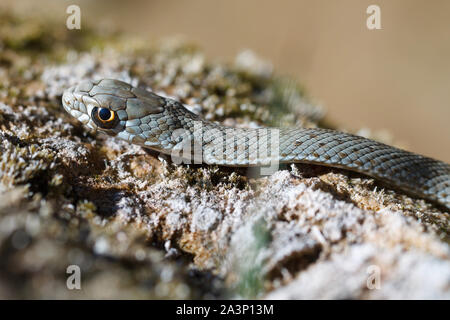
{"x":164,"y":125}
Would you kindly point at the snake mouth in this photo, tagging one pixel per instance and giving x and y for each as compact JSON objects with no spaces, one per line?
{"x":68,"y":99}
{"x":74,"y":105}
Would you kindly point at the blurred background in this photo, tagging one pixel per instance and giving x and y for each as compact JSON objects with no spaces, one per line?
{"x":395,"y":79}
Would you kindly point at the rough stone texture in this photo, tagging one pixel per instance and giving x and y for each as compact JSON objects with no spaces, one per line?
{"x":141,"y":227}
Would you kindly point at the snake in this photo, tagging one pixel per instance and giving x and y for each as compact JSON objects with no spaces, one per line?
{"x":165,"y":125}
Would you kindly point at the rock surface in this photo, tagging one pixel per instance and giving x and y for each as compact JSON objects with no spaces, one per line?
{"x":138,"y":226}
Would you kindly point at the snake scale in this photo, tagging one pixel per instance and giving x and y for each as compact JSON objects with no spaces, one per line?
{"x":162,"y":124}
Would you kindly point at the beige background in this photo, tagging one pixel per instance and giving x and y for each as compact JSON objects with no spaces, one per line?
{"x":397,"y":78}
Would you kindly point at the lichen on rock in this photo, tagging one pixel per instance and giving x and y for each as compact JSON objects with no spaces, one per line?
{"x":139,"y":226}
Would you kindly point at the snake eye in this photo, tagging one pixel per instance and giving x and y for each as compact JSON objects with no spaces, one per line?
{"x":105,"y":115}
{"x":104,"y":118}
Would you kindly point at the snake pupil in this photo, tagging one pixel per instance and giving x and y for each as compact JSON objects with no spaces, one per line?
{"x":104,"y":114}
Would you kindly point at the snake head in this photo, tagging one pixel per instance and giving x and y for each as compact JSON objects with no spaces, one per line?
{"x":116,"y":108}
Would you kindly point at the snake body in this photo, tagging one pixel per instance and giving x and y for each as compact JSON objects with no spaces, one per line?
{"x":165,"y":125}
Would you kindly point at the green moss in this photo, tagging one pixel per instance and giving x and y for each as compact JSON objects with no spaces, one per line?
{"x":250,"y":273}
